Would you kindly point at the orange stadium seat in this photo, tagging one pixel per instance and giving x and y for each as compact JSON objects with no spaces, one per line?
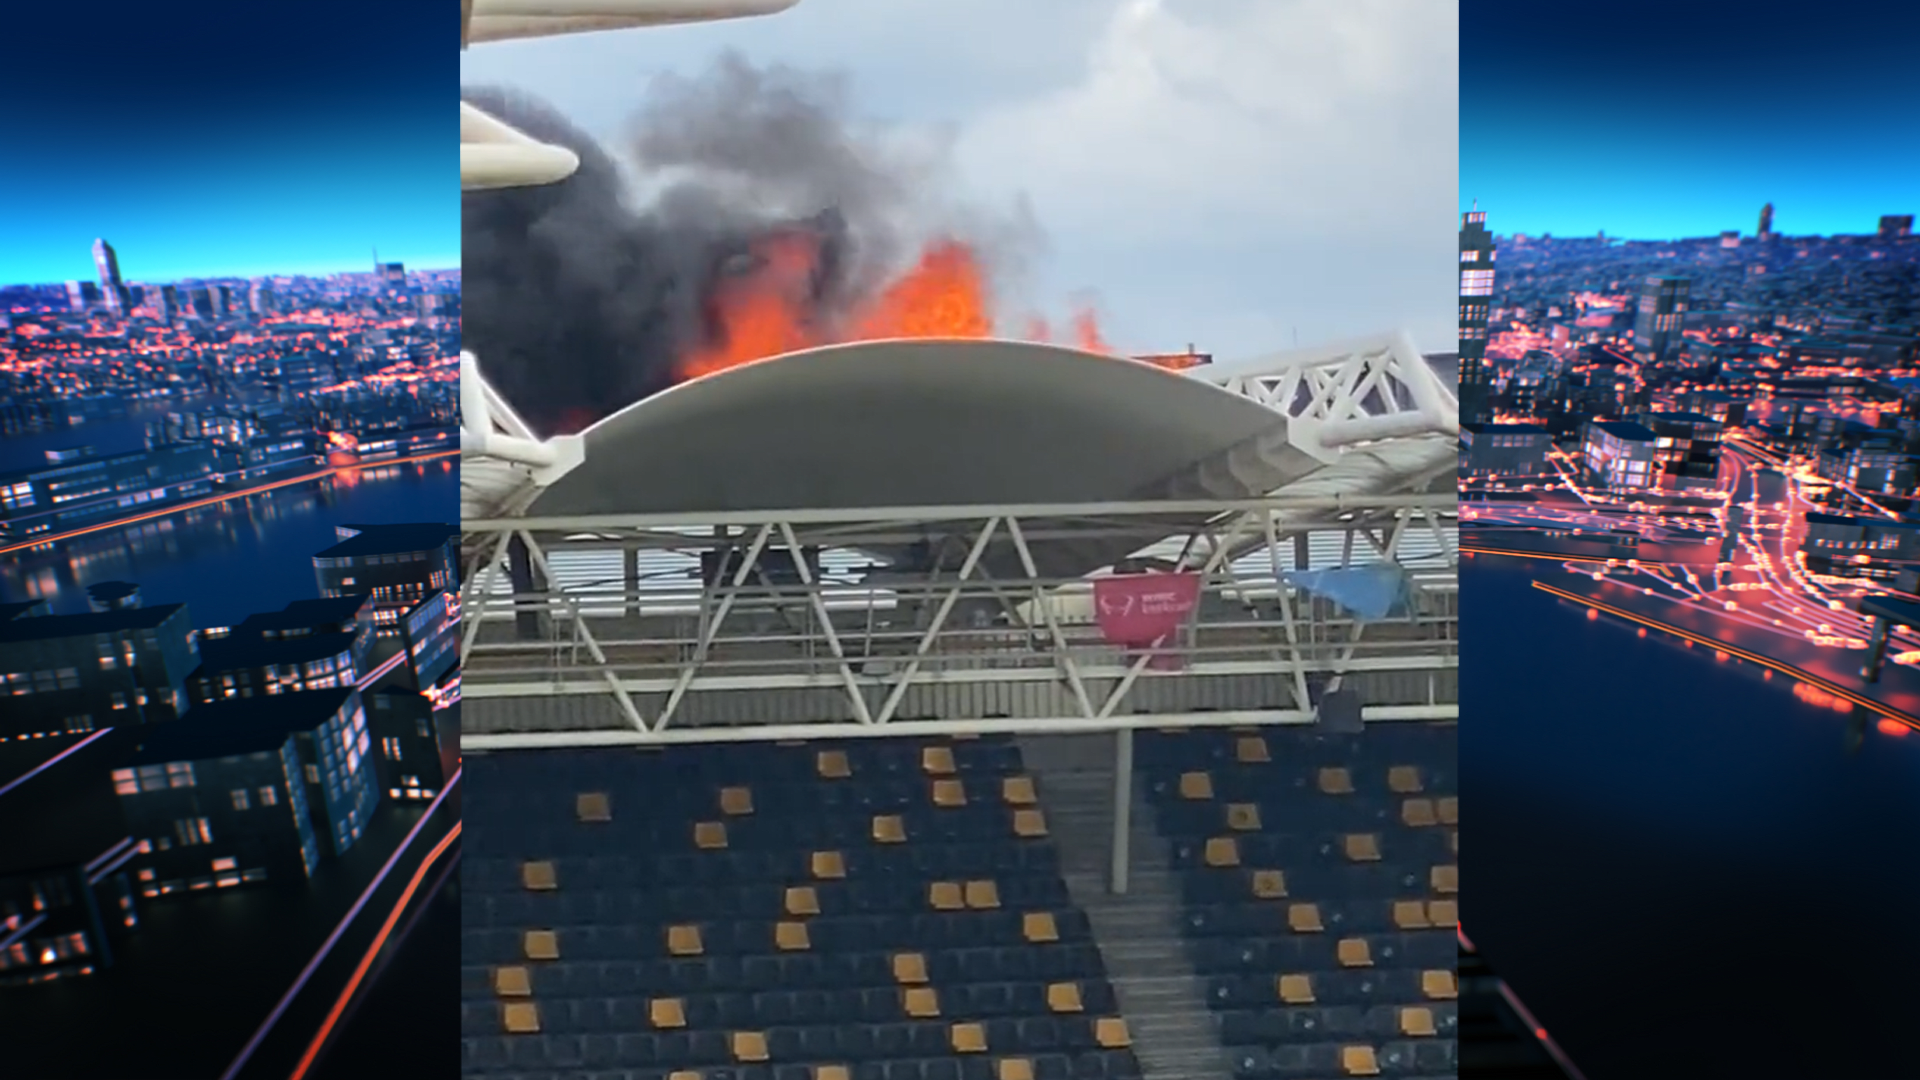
{"x":876,"y":910}
{"x":1323,"y":924}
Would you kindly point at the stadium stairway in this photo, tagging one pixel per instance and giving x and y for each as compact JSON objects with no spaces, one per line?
{"x":1161,"y":996}
{"x":1318,"y":875}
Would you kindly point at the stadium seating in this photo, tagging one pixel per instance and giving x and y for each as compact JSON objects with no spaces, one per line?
{"x":872,"y":910}
{"x":1319,"y":875}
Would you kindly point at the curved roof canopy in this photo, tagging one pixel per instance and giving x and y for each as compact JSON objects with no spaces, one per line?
{"x":505,"y":20}
{"x":908,"y":423}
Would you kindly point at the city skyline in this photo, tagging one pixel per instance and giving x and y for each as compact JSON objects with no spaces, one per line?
{"x":298,"y":157}
{"x":1573,"y":123}
{"x":84,"y":270}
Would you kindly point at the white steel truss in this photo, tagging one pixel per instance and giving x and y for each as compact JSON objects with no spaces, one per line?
{"x":503,"y":464}
{"x":1347,"y":393}
{"x":770,"y":628}
{"x":494,"y":154}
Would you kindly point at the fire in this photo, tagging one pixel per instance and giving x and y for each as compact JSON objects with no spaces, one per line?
{"x":769,"y":310}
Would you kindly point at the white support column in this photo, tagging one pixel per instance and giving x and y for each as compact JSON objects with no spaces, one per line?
{"x":1122,"y":807}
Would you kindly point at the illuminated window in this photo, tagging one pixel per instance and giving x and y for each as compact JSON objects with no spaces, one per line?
{"x":180,"y":774}
{"x":240,"y":802}
{"x":222,"y":864}
{"x":269,"y":797}
{"x":313,"y":774}
{"x":124,"y":782}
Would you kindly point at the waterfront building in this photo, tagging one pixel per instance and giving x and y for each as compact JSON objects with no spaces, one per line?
{"x":328,"y":731}
{"x":430,"y":633}
{"x":245,"y":666}
{"x":397,"y":565}
{"x":1686,"y":449}
{"x":1874,"y":548}
{"x":413,"y":754}
{"x":77,"y":673}
{"x":215,"y":802}
{"x":78,"y":487}
{"x":1619,"y":454}
{"x":1506,"y":450}
{"x":1875,"y":467}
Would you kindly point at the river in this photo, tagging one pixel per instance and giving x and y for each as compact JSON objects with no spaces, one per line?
{"x":237,"y":557}
{"x":1675,"y":861}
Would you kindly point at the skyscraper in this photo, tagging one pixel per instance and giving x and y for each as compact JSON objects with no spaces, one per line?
{"x":1766,"y":222}
{"x":1476,"y":302}
{"x":112,"y":290}
{"x":1663,"y":310}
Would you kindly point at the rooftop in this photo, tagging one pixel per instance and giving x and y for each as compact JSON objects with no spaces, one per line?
{"x":237,"y":726}
{"x":390,"y":539}
{"x":1626,"y":429}
{"x":307,"y":614}
{"x":45,"y":627}
{"x":231,"y":654}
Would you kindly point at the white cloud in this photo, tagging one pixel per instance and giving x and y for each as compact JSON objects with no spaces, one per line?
{"x":1227,"y":173}
{"x":1316,"y":116}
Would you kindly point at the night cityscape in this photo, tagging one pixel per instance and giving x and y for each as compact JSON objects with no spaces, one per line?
{"x":1690,"y":503}
{"x":229,"y":626}
{"x":1722,"y":431}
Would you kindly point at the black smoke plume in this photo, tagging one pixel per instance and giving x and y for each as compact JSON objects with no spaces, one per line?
{"x":581,"y":295}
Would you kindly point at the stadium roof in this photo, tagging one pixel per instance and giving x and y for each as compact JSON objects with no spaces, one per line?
{"x":916,"y":423}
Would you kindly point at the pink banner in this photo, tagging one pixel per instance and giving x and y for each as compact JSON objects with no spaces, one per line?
{"x":1143,"y":611}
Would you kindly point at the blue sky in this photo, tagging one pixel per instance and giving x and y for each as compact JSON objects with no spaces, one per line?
{"x":1655,"y":120}
{"x":251,"y":139}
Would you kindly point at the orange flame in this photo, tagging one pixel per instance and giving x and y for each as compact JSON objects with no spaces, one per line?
{"x":766,"y":312}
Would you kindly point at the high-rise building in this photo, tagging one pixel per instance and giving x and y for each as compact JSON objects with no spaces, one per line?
{"x":82,"y":295}
{"x":1766,"y":222}
{"x":260,"y":298}
{"x":1895,"y":225}
{"x":1476,"y":304}
{"x":163,"y":301}
{"x":1663,"y":310}
{"x":112,"y":289}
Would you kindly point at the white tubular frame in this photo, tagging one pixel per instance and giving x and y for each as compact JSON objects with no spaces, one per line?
{"x":1347,"y":393}
{"x":494,"y":154}
{"x":754,"y":657}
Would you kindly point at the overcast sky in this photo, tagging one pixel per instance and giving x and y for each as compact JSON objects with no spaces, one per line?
{"x":1222,"y":172}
